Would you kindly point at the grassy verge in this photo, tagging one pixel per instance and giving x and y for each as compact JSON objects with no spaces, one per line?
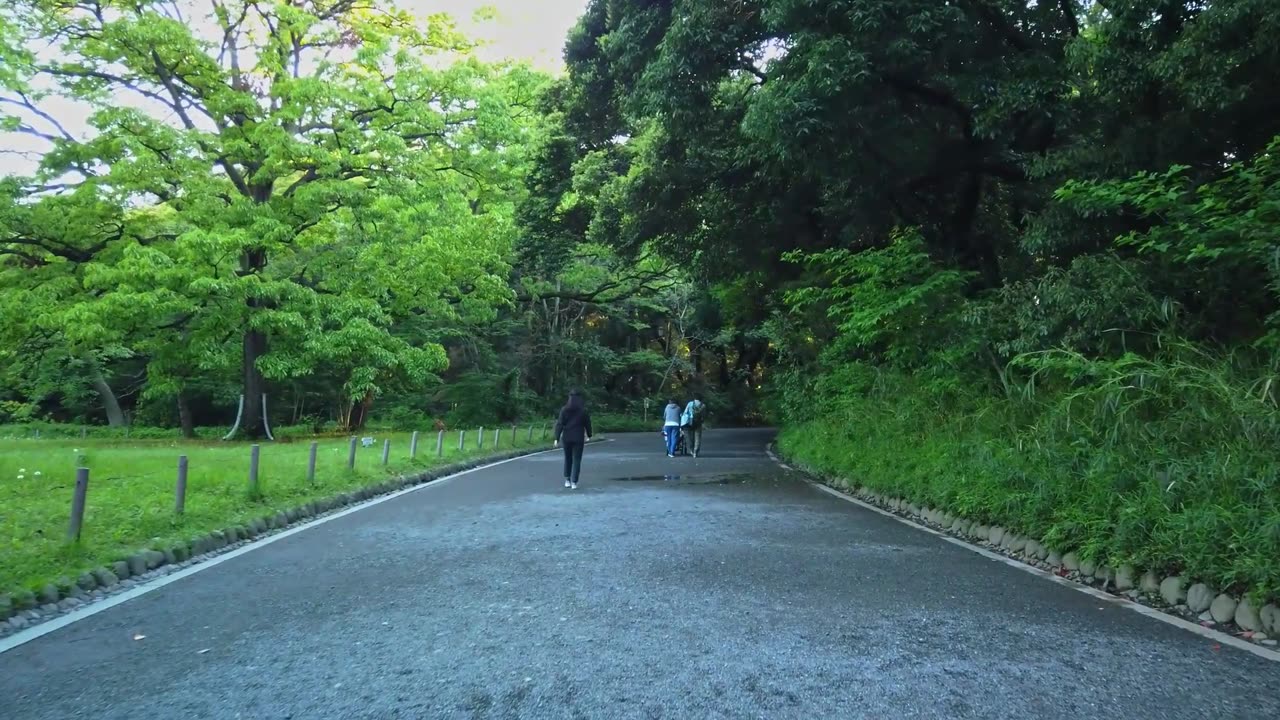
{"x":1153,"y":490}
{"x":130,"y":503}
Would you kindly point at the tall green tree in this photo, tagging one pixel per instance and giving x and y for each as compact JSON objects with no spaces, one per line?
{"x":323,"y":169}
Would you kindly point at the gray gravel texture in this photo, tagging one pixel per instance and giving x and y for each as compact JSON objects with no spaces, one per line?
{"x":735,"y":591}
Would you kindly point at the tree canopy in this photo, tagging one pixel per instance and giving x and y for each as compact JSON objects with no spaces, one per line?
{"x":1011,"y":259}
{"x":275,"y":190}
{"x":328,"y":203}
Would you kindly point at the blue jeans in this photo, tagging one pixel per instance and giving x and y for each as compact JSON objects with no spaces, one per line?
{"x":673,"y":434}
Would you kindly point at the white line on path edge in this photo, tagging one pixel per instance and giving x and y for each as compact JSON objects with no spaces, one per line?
{"x":1202,"y":631}
{"x":25,"y":636}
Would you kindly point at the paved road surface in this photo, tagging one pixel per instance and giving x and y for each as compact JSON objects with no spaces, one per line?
{"x":736,"y":591}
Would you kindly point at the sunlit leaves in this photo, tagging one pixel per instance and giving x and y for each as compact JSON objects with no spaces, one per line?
{"x":315,"y":172}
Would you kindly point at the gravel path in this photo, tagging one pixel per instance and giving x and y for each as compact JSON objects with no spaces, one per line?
{"x":734,"y":591}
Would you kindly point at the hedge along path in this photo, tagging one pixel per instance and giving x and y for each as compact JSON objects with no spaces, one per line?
{"x":130,"y":503}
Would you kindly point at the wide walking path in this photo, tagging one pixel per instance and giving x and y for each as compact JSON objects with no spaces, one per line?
{"x":734,"y":590}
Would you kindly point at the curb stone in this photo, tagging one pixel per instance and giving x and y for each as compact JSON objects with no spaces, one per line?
{"x":1247,"y":617}
{"x":146,"y":565}
{"x":105,"y":578}
{"x":1268,"y":616}
{"x":1223,"y":608}
{"x":1199,"y":597}
{"x":1172,"y":591}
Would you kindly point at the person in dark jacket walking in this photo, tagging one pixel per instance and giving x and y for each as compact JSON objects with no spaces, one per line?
{"x":573,"y":432}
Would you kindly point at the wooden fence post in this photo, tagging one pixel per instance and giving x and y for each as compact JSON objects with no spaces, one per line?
{"x":77,"y":504}
{"x":254,"y":452}
{"x":180,"y":495}
{"x":311,"y":462}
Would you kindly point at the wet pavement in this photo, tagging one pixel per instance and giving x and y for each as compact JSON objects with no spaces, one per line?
{"x":721,"y":587}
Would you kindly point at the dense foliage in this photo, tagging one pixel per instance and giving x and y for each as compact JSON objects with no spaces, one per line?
{"x":306,"y":204}
{"x":1016,"y":259}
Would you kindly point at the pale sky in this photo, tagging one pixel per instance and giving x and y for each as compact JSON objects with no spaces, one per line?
{"x":532,"y":30}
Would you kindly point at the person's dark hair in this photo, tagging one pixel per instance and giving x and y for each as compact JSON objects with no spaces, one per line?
{"x":575,"y":401}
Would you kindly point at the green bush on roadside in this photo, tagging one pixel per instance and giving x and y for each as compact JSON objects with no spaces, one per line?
{"x":1166,"y":465}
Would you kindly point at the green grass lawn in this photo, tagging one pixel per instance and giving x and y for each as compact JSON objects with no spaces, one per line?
{"x":130,"y":502}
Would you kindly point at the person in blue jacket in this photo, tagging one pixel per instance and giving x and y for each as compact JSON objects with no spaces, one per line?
{"x":671,"y":426}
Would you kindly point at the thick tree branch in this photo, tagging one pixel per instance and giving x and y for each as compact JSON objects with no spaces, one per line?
{"x":26,"y":103}
{"x":632,"y":283}
{"x":123,"y":82}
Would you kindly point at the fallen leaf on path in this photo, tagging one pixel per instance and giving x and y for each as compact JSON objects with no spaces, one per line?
{"x":139,"y":636}
{"x":203,"y":651}
{"x":1216,"y":647}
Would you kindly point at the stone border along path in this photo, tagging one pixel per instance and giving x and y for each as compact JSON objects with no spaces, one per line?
{"x":1197,"y":609}
{"x":146,"y":566}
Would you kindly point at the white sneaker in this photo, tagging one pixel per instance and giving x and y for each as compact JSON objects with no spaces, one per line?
{"x":568,"y":484}
{"x":574,"y":486}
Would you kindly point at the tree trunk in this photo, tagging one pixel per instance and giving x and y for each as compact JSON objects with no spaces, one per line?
{"x":184,"y":416}
{"x":255,"y":346}
{"x":115,"y":415}
{"x":360,"y":412}
{"x":345,"y":404}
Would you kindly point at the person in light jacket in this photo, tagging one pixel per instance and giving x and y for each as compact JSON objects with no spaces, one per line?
{"x":691,"y":425}
{"x":671,"y":426}
{"x":573,"y":432}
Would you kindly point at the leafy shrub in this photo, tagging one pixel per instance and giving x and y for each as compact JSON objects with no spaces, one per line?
{"x":1165,"y":463}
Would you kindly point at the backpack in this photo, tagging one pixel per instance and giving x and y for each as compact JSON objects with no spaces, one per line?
{"x":699,"y":410}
